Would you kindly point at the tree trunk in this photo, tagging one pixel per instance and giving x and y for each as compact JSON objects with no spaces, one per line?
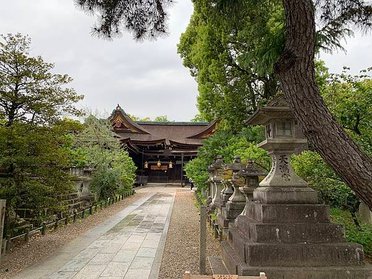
{"x":296,"y":72}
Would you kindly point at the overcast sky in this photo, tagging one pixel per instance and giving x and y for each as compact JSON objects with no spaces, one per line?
{"x":146,"y":78}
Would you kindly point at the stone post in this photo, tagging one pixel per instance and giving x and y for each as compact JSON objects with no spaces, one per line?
{"x":2,"y":220}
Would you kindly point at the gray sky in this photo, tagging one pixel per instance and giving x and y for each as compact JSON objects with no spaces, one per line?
{"x":147,"y":78}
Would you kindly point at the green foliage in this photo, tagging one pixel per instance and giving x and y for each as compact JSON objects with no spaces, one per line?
{"x":228,"y":145}
{"x":161,"y":118}
{"x":34,"y":140}
{"x":361,"y":235}
{"x":33,"y":164}
{"x":136,"y":118}
{"x":198,"y":118}
{"x":333,"y":191}
{"x":232,"y":57}
{"x":349,"y":98}
{"x":196,"y":170}
{"x":29,"y":91}
{"x":97,"y":147}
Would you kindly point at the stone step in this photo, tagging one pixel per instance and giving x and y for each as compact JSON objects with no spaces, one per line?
{"x":235,"y":265}
{"x":291,"y":233}
{"x":308,"y":272}
{"x":217,"y":265}
{"x":296,"y":255}
{"x":230,"y":258}
{"x":237,"y":240}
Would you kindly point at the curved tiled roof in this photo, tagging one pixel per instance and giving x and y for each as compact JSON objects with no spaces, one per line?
{"x":172,"y":133}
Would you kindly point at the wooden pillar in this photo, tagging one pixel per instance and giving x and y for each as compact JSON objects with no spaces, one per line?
{"x":182,"y":169}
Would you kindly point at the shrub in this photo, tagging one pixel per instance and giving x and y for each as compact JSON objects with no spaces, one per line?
{"x":353,"y":233}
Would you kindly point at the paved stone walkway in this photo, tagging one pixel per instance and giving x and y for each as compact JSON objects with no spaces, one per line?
{"x":128,"y":245}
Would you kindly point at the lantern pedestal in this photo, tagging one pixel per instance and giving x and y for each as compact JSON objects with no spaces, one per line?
{"x":283,"y":239}
{"x":285,"y":231}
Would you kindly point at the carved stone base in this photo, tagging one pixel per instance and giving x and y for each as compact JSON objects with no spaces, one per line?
{"x":236,"y":266}
{"x":278,"y":238}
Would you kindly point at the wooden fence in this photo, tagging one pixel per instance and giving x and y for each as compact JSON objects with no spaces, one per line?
{"x":9,"y":241}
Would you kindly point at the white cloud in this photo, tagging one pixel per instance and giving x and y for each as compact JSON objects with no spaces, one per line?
{"x":146,"y":78}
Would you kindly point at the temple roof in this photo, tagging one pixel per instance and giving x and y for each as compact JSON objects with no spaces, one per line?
{"x":181,"y":135}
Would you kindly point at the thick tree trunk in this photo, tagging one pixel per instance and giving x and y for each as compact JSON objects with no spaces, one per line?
{"x":295,"y":70}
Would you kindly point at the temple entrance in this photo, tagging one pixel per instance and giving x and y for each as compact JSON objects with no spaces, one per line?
{"x":160,"y":150}
{"x":165,"y":169}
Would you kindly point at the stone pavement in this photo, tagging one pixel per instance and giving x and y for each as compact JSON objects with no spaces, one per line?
{"x":128,"y":245}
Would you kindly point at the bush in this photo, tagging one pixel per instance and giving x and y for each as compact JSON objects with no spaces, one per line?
{"x":97,"y":147}
{"x":353,"y":233}
{"x":333,"y":191}
{"x":228,"y":145}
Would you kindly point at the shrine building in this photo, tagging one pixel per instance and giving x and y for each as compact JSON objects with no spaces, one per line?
{"x":160,"y":149}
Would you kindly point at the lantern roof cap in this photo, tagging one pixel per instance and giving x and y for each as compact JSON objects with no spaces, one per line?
{"x":253,"y":169}
{"x":218,"y":163}
{"x":276,"y":108}
{"x":236,"y":165}
{"x":211,"y":168}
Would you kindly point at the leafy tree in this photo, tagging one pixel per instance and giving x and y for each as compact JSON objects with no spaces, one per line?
{"x":29,"y":91}
{"x":243,"y":144}
{"x":349,"y":98}
{"x":333,"y":191}
{"x":219,"y":51}
{"x":34,"y":166}
{"x":114,"y":170}
{"x":136,"y":118}
{"x":198,"y":118}
{"x":34,"y":140}
{"x":294,"y":67}
{"x":161,"y":118}
{"x":295,"y":71}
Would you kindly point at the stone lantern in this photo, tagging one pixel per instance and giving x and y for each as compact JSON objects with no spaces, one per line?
{"x":251,"y":173}
{"x":211,"y":185}
{"x":286,"y":232}
{"x":229,"y":171}
{"x":283,"y":138}
{"x":217,"y":180}
{"x":233,"y":200}
{"x":235,"y":204}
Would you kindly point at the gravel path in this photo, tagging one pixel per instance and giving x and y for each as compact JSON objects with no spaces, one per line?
{"x":181,"y":251}
{"x":39,"y":248}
